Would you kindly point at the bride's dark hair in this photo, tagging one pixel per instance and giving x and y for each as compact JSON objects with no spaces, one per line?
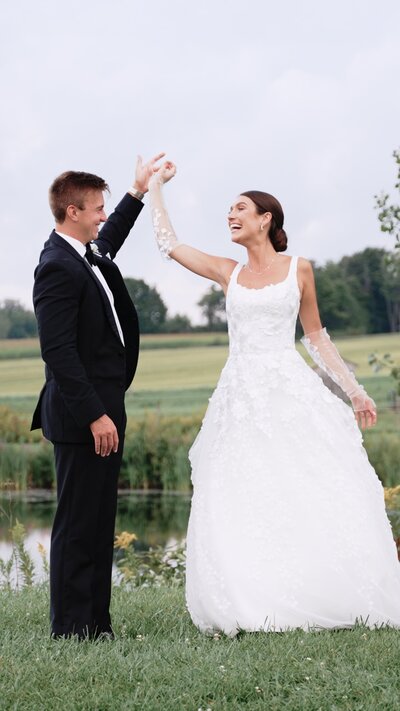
{"x":265,"y":202}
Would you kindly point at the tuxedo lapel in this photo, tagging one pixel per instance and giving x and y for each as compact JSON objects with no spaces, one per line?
{"x":105,"y":299}
{"x":113,"y":277}
{"x":56,"y":241}
{"x":126,"y":311}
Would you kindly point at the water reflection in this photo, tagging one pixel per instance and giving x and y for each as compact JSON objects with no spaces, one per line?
{"x":156,"y":518}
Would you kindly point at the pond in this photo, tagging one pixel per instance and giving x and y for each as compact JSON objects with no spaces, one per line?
{"x":156,"y":518}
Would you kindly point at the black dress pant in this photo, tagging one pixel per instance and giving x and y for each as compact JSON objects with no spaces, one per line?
{"x":82,"y":538}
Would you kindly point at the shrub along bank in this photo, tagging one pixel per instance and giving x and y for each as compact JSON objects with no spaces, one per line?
{"x":155,"y":453}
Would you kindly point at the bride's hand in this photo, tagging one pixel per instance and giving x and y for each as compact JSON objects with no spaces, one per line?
{"x":164,"y":173}
{"x":364,"y":410}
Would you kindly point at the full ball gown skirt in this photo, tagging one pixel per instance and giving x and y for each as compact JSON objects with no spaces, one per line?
{"x":288,"y":527}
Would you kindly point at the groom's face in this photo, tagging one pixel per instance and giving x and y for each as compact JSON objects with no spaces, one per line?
{"x":92,"y":215}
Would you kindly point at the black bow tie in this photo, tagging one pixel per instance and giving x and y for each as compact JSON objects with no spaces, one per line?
{"x":89,"y":255}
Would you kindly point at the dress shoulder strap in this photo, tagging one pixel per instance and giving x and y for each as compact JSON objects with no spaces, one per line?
{"x":234,"y":273}
{"x":293,"y":268}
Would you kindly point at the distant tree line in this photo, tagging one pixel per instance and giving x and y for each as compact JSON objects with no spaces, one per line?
{"x":16,"y":321}
{"x":358,"y":294}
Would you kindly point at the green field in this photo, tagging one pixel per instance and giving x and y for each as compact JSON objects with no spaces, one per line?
{"x":176,"y":373}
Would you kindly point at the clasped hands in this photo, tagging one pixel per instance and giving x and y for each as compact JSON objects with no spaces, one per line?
{"x":163,"y":174}
{"x":149,"y":172}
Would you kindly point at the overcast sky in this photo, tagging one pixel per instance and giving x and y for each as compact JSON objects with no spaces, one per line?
{"x":300,"y":99}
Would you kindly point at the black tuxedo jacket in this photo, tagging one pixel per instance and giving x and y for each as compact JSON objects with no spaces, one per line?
{"x":87,"y":368}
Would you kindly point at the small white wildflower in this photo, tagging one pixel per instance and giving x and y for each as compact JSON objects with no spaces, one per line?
{"x":308,"y":659}
{"x":259,"y":690}
{"x":307,"y":678}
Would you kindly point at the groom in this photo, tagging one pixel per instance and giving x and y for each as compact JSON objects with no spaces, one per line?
{"x":89,"y":340}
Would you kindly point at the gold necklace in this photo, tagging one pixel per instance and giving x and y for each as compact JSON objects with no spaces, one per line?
{"x":253,"y":271}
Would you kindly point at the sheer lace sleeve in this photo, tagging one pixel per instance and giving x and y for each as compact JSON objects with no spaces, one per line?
{"x":325,"y":354}
{"x":164,"y":232}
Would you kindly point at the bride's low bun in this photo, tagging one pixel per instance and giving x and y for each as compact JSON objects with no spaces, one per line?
{"x":265,"y":202}
{"x":278,"y":239}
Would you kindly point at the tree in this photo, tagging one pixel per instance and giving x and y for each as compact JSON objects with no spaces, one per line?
{"x":389,"y":218}
{"x":213,"y":306}
{"x":365,"y":275}
{"x":16,"y":321}
{"x":389,"y":215}
{"x":178,"y":324}
{"x":339,"y":304}
{"x":152,"y":311}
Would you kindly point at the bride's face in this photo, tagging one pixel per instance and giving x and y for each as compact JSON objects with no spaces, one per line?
{"x":244,"y":221}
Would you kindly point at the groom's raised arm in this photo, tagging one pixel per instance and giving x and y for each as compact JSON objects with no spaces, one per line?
{"x":115,"y":231}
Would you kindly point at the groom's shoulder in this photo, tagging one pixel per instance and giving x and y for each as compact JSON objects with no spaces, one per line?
{"x":54,"y":257}
{"x":54,"y":249}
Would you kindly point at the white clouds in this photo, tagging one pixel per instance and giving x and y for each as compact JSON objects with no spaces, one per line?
{"x":300,"y":100}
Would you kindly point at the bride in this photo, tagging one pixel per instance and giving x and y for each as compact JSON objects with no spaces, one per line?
{"x":287,"y":527}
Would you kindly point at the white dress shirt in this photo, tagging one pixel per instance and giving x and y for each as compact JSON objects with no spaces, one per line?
{"x":81,"y":249}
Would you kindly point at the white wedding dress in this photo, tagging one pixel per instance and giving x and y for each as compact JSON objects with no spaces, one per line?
{"x":287,"y":527}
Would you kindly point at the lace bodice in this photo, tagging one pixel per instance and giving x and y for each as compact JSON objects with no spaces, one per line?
{"x":263,"y":319}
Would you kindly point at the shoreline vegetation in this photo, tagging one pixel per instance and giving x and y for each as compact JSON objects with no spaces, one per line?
{"x":176,"y":376}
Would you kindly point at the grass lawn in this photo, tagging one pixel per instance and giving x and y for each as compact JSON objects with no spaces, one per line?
{"x":160,"y":662}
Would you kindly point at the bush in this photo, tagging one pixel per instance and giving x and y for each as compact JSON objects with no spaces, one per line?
{"x":27,"y":465}
{"x":42,"y":474}
{"x":14,"y":428}
{"x":14,"y":465}
{"x":384,"y":454}
{"x":155,"y":453}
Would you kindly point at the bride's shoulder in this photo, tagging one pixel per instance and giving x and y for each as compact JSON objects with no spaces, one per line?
{"x":305,"y":273}
{"x":304,"y":264}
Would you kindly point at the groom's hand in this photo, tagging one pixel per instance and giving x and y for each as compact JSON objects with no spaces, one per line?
{"x":144,"y":172}
{"x":105,"y":436}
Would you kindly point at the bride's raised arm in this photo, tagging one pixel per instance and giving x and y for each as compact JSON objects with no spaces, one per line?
{"x":218,"y":269}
